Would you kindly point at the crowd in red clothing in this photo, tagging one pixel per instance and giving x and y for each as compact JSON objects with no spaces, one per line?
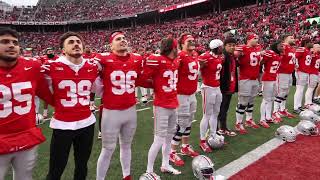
{"x":268,"y":21}
{"x":68,"y":10}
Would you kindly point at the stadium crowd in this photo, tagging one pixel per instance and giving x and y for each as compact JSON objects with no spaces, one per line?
{"x":268,"y":21}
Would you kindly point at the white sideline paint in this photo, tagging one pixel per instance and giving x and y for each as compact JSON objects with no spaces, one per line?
{"x":143,"y":109}
{"x":244,"y":161}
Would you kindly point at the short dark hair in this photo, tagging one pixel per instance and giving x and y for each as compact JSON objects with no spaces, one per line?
{"x":8,"y":31}
{"x":274,"y":46}
{"x":283,"y":37}
{"x":229,"y":40}
{"x":67,"y":35}
{"x":166,"y":46}
{"x":305,"y":41}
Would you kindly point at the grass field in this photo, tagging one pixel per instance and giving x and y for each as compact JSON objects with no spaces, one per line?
{"x":237,"y":146}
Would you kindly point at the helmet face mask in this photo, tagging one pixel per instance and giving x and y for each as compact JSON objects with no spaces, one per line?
{"x":202,"y":167}
{"x":307,"y":128}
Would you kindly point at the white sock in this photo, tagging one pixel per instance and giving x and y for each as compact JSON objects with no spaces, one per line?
{"x":248,"y":116}
{"x":268,"y":110}
{"x":298,"y":95}
{"x":283,"y":105}
{"x":45,"y":112}
{"x":239,"y":117}
{"x":37,"y":102}
{"x":204,"y":126}
{"x":144,"y":91}
{"x":153,"y":151}
{"x":104,"y":162}
{"x":136,"y":92}
{"x":213,"y":122}
{"x":166,"y":151}
{"x":125,"y":158}
{"x":308,"y":96}
{"x":276,"y":106}
{"x":263,"y":110}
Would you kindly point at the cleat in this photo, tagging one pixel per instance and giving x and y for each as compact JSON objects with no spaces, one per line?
{"x":298,"y":111}
{"x":229,"y":133}
{"x":177,"y":161}
{"x":205,"y":147}
{"x":276,"y":117}
{"x":251,"y":123}
{"x":127,"y":178}
{"x":269,"y":121}
{"x":188,"y":150}
{"x":241,"y":129}
{"x":169,"y":169}
{"x":264,"y":124}
{"x":286,"y":113}
{"x":220,"y":132}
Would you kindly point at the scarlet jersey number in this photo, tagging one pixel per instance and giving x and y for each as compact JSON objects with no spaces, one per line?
{"x":172,"y":81}
{"x":16,"y":89}
{"x":123,"y":82}
{"x":78,"y":93}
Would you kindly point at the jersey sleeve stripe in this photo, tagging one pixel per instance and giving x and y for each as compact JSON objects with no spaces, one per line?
{"x":152,"y":61}
{"x":152,"y":64}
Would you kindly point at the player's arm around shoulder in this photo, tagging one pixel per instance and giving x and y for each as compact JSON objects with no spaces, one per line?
{"x":149,"y":70}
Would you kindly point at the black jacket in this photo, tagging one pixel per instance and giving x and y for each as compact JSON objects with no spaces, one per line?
{"x":226,"y":74}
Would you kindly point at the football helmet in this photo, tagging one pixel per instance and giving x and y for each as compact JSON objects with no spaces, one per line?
{"x":314,"y":108}
{"x":215,"y":142}
{"x":149,"y":176}
{"x":310,"y":116}
{"x":202,"y":167}
{"x":307,"y":128}
{"x":286,"y":133}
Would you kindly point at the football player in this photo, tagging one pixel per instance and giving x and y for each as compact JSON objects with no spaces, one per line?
{"x":284,"y":78}
{"x":313,"y":75}
{"x":120,"y":71}
{"x":271,"y":61}
{"x":249,"y":65}
{"x":304,"y":60}
{"x":211,"y":65}
{"x":20,"y":82}
{"x":71,"y":78}
{"x":186,"y":88}
{"x":162,"y":71}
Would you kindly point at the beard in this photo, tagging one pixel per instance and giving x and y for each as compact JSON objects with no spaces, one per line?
{"x":8,"y":58}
